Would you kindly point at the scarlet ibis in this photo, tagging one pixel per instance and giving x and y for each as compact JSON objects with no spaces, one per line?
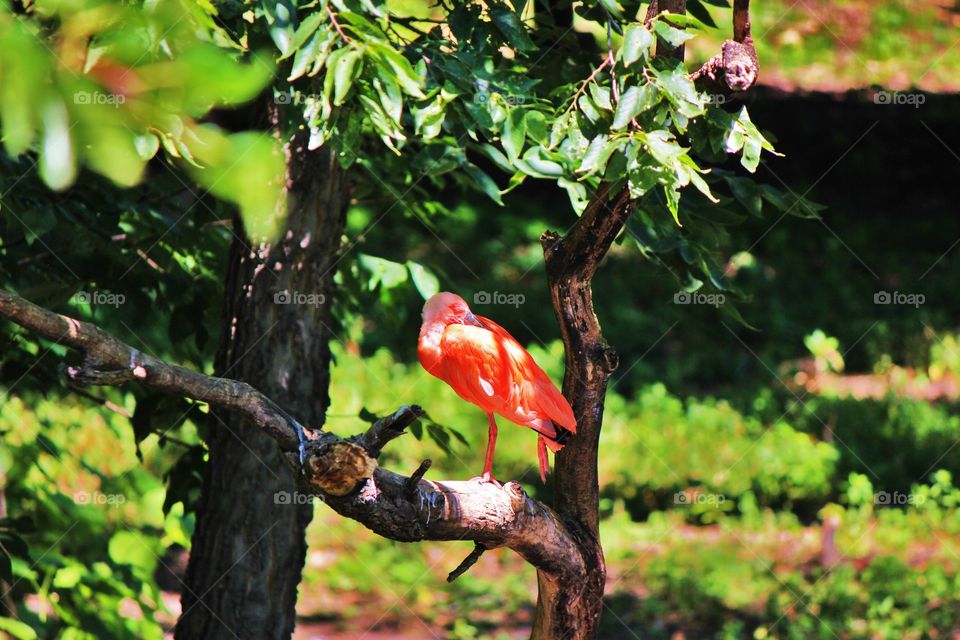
{"x":486,"y":366}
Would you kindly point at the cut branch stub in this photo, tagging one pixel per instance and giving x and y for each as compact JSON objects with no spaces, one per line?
{"x":343,"y":473}
{"x":336,"y":468}
{"x":736,"y":68}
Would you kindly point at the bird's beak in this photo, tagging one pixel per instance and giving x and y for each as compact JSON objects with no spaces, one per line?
{"x":469,"y":318}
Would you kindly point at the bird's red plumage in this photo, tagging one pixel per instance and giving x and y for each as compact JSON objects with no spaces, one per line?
{"x":486,"y":366}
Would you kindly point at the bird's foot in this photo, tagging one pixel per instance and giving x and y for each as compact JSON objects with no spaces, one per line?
{"x":487,"y":478}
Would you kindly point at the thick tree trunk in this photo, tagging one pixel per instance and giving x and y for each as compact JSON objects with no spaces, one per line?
{"x":248,"y":548}
{"x":571,"y":609}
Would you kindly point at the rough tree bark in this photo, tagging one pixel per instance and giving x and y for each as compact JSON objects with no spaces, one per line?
{"x":565,"y":609}
{"x":342,"y":472}
{"x":562,"y":543}
{"x":248,"y":551}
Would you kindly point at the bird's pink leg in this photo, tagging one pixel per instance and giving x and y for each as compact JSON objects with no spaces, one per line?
{"x":487,"y":475}
{"x":543,"y":459}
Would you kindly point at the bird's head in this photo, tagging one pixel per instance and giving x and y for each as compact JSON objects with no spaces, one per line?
{"x":448,"y":308}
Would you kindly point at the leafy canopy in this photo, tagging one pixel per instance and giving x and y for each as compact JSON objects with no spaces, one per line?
{"x":493,"y":95}
{"x":106,"y":84}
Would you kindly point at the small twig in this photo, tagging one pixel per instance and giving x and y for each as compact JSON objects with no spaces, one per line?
{"x":103,"y":402}
{"x":410,"y":487}
{"x":460,"y":510}
{"x":387,"y":428}
{"x":576,"y":96}
{"x":468,"y":562}
{"x":336,"y":25}
{"x":164,"y":436}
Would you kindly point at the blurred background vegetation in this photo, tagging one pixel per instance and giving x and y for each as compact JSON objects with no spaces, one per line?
{"x":796,"y":480}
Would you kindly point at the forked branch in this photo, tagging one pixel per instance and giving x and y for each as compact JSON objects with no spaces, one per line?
{"x":344,"y":473}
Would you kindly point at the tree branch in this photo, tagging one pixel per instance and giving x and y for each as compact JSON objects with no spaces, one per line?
{"x":568,"y":609}
{"x":736,"y":68}
{"x":343,"y":472}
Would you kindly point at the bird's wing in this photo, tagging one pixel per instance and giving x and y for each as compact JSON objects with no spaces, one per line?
{"x":549,"y":400}
{"x":476,"y":365}
{"x":503,"y":364}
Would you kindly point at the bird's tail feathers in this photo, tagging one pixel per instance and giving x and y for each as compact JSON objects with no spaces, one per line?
{"x":554,"y":435}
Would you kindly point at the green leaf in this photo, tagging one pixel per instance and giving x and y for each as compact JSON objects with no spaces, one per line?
{"x":485,"y":182}
{"x":344,"y":75}
{"x":406,"y":76}
{"x":636,"y":44}
{"x":663,"y":147}
{"x":391,"y":98}
{"x":307,"y":55}
{"x":247,"y":169}
{"x":601,"y":96}
{"x":698,"y":11}
{"x":670,"y":35}
{"x":329,"y":80}
{"x":17,"y":629}
{"x":676,"y":85}
{"x":588,"y":108}
{"x":382,"y":272}
{"x":612,"y":7}
{"x":68,"y":577}
{"x":508,"y":23}
{"x":492,"y":152}
{"x":559,"y":130}
{"x":633,"y":102}
{"x":428,"y":120}
{"x":514,"y":133}
{"x":535,"y":164}
{"x":536,"y":124}
{"x":747,"y":193}
{"x":281,"y":20}
{"x":126,"y":547}
{"x":57,"y":166}
{"x":577,"y":192}
{"x":424,"y":280}
{"x":599,"y":151}
{"x":304,"y":31}
{"x":751,"y":154}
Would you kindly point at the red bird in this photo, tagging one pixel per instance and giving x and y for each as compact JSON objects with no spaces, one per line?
{"x":485,"y":365}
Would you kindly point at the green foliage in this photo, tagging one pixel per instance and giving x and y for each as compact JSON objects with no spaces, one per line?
{"x":476,"y":103}
{"x":858,"y":45}
{"x":104,"y":84}
{"x":86,"y":556}
{"x":871,"y":434}
{"x":825,"y":351}
{"x":655,"y":446}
